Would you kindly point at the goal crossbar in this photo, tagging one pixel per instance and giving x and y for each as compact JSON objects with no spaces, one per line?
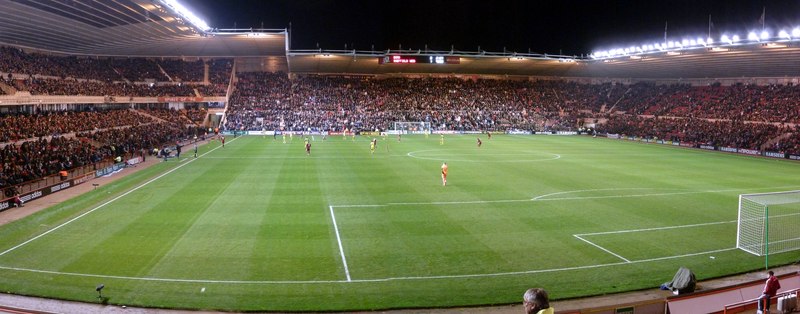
{"x":769,"y":223}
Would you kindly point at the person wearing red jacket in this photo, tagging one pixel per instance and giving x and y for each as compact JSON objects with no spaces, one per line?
{"x":770,"y":289}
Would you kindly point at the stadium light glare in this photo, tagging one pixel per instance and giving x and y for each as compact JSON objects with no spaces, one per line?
{"x":764,"y":35}
{"x":701,"y":41}
{"x":735,"y":38}
{"x":692,"y":42}
{"x":726,"y":39}
{"x":796,"y":32}
{"x":189,"y":15}
{"x":710,"y":41}
{"x":684,"y":43}
{"x":752,"y":36}
{"x":671,"y":44}
{"x":784,"y":34}
{"x":651,"y":47}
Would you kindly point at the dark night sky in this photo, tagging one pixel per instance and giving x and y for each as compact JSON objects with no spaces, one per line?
{"x":569,"y":26}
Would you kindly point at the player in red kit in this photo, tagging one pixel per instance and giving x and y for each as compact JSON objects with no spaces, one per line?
{"x":308,"y":148}
{"x":479,"y":142}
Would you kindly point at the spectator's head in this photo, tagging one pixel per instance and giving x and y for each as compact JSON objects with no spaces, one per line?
{"x":535,"y":300}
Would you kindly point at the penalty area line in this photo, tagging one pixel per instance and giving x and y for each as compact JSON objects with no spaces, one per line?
{"x":602,"y":248}
{"x":339,"y":240}
{"x":104,"y":204}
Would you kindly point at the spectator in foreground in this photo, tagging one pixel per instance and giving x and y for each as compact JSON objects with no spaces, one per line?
{"x":536,"y":301}
{"x":770,"y":289}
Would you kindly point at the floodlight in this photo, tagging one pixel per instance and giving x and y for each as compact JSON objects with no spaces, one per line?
{"x":650,"y":47}
{"x":735,"y":38}
{"x":709,"y":40}
{"x":752,"y":36}
{"x":182,"y":10}
{"x":784,"y":34}
{"x":796,"y":32}
{"x":725,"y":39}
{"x":671,"y":44}
{"x":693,"y":42}
{"x":684,"y":43}
{"x":701,"y":41}
{"x":658,"y":46}
{"x":764,"y":35}
{"x":627,"y":50}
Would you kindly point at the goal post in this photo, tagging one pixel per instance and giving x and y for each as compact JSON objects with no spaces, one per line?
{"x":411,"y":127}
{"x":769,"y":223}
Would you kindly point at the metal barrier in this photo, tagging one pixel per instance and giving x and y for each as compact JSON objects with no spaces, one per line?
{"x":745,"y":305}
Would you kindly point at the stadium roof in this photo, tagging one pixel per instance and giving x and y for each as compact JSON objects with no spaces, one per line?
{"x":149,"y":28}
{"x":752,"y":60}
{"x":124,"y":28}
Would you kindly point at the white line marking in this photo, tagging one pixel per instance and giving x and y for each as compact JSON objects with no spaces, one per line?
{"x":106,"y":203}
{"x":540,"y":198}
{"x":657,"y":228}
{"x":602,"y":248}
{"x":589,"y":190}
{"x":450,"y":203}
{"x":514,"y":273}
{"x":339,"y":239}
{"x":450,"y":155}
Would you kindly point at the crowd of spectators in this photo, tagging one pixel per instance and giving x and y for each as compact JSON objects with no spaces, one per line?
{"x":197,"y":116}
{"x":40,"y":158}
{"x":219,"y":71}
{"x":212,"y":89}
{"x":42,"y":144}
{"x":741,"y":116}
{"x":14,"y":60}
{"x":272,"y":101}
{"x":24,"y":126}
{"x":131,"y":141}
{"x":727,"y":133}
{"x":72,"y":87}
{"x":170,"y":115}
{"x":183,"y":71}
{"x":104,"y":71}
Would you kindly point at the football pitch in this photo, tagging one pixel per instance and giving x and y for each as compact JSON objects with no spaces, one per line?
{"x":260,"y":226}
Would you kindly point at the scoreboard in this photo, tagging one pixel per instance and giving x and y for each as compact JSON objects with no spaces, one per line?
{"x":430,"y":59}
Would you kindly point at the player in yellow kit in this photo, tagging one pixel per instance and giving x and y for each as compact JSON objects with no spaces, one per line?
{"x":444,"y":174}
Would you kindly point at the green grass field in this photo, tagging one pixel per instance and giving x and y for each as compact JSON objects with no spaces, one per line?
{"x":258,"y":225}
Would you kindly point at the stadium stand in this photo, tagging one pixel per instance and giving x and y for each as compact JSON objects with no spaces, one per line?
{"x":750,"y":117}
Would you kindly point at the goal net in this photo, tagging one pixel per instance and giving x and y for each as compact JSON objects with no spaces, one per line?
{"x":769,"y":223}
{"x":411,"y":127}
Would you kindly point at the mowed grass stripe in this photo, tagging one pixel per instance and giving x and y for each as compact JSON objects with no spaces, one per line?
{"x":262,"y":221}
